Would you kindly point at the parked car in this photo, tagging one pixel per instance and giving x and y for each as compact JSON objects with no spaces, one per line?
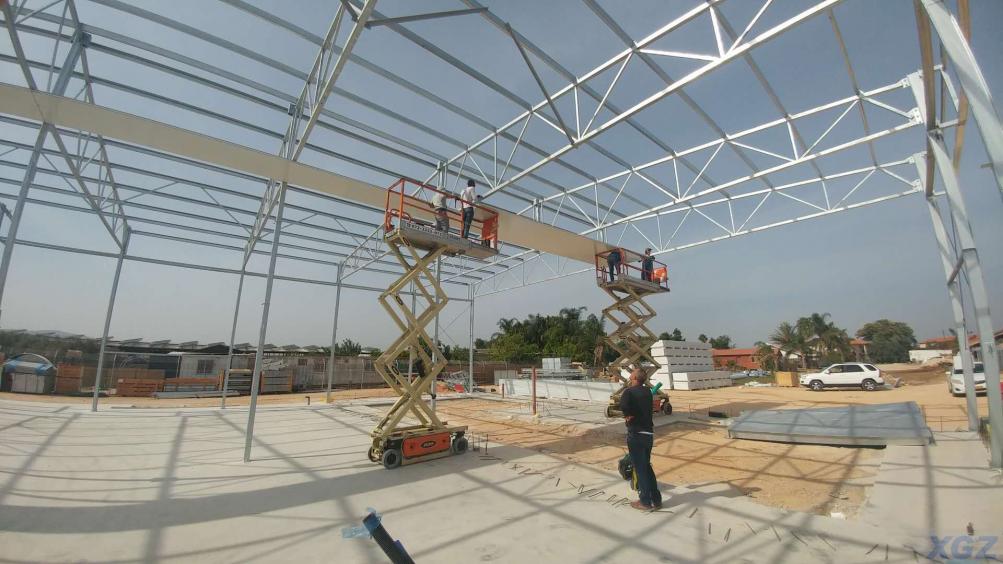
{"x":844,"y":375}
{"x":27,"y":363}
{"x":956,"y":378}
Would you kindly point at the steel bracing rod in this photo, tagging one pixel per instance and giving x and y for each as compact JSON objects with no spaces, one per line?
{"x":739,"y":233}
{"x":948,"y":257}
{"x":188,"y":265}
{"x":973,"y":83}
{"x":216,"y":233}
{"x":539,"y":83}
{"x":251,"y":85}
{"x":734,"y":53}
{"x":734,"y":137}
{"x":978,"y":290}
{"x":233,"y":337}
{"x":295,"y":140}
{"x":419,"y":17}
{"x":77,"y":53}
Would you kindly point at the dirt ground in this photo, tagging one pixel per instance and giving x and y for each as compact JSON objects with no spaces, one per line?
{"x":811,"y":478}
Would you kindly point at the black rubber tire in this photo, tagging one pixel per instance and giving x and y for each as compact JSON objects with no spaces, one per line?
{"x":666,"y":408}
{"x":391,"y":458}
{"x":816,"y":385}
{"x":869,"y":385}
{"x":460,"y":445}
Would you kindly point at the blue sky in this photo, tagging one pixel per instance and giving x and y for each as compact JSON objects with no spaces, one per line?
{"x":870,"y":263}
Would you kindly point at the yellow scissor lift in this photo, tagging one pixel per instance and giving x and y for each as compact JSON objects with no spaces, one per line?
{"x":417,"y":244}
{"x":628,"y":284}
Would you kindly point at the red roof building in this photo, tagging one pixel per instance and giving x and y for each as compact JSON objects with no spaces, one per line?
{"x":742,"y":358}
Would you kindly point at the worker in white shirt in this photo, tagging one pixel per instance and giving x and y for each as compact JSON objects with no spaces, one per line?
{"x":467,"y":198}
{"x":441,"y":214}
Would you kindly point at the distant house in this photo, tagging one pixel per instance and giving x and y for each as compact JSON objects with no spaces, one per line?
{"x":976,"y":346}
{"x":742,"y":358}
{"x":859,"y":347}
{"x":949,"y":343}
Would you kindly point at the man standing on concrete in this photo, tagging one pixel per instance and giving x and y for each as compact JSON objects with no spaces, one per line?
{"x":636,"y":405}
{"x":467,"y":198}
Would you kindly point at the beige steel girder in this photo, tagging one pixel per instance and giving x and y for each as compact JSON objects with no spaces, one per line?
{"x":414,"y":339}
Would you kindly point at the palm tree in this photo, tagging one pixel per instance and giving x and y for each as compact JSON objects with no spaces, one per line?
{"x":789,"y":339}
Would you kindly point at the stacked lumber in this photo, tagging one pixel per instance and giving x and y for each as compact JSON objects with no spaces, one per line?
{"x":137,"y":387}
{"x":68,"y":378}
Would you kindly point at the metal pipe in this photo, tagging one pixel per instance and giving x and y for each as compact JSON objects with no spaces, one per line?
{"x":107,"y":318}
{"x":470,"y":352}
{"x":259,"y":354}
{"x":233,"y":335}
{"x":334,"y":336}
{"x":534,"y":390}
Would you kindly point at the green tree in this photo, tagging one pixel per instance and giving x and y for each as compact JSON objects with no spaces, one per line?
{"x":721,"y":342}
{"x":676,"y":335}
{"x":767,"y":356}
{"x":702,"y":338}
{"x":890,"y":341}
{"x":814,"y":338}
{"x":570,"y":333}
{"x":347,"y":347}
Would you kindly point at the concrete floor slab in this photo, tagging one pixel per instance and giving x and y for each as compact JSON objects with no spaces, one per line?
{"x":861,"y":425}
{"x":168,"y":485}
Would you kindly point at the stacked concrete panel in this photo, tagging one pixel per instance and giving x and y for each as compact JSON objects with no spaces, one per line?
{"x":686,"y":365}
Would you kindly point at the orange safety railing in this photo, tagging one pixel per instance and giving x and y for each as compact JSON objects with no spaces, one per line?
{"x":418,"y":209}
{"x":632,"y":265}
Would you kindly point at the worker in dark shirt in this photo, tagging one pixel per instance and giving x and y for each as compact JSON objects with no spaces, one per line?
{"x":613,"y":260}
{"x":636,"y":405}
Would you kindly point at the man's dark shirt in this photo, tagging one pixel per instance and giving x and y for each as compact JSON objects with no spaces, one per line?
{"x":636,"y":401}
{"x":648,"y":263}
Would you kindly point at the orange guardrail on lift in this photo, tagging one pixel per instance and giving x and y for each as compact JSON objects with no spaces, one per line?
{"x":417,"y":208}
{"x":631,"y":264}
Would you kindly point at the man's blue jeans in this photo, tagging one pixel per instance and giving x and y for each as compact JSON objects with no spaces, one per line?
{"x":639,"y":447}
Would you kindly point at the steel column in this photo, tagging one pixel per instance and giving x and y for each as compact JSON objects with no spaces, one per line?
{"x":435,"y":332}
{"x":980,"y":297}
{"x":470,"y":352}
{"x":107,"y":317}
{"x":59,"y":88}
{"x":233,"y":335}
{"x":334,"y":336}
{"x":947,"y":257}
{"x":258,"y":355}
{"x":972,"y":82}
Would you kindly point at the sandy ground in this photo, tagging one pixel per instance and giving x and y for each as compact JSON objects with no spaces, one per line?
{"x":811,"y":478}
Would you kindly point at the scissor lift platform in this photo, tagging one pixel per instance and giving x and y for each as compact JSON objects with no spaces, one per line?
{"x":427,"y":237}
{"x":643,"y":287}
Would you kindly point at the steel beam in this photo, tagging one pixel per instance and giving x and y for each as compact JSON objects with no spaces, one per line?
{"x":59,"y":88}
{"x":233,"y":336}
{"x":947,"y":258}
{"x":334,"y":336}
{"x":979,"y":293}
{"x":972,"y":82}
{"x":107,"y":319}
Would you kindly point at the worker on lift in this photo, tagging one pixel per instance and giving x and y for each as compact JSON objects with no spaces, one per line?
{"x":613,"y":260}
{"x":467,"y":198}
{"x":636,"y":405}
{"x":441,"y":213}
{"x":647,"y":265}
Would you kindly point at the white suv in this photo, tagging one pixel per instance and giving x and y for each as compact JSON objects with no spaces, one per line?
{"x":844,"y":375}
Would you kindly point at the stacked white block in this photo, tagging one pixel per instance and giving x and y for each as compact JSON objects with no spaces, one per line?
{"x":700,"y":380}
{"x":680,"y":357}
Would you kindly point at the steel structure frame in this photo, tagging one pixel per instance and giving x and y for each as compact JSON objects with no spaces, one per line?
{"x":523,"y":170}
